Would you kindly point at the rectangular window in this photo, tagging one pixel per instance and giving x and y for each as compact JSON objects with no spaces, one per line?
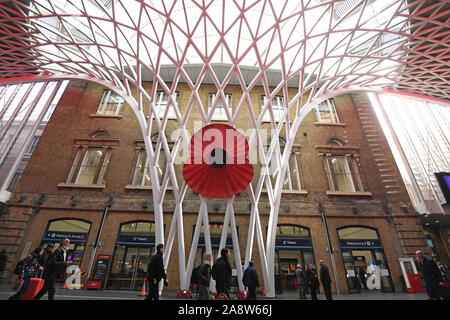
{"x":219,"y":111}
{"x":110,"y":104}
{"x":326,"y":112}
{"x":162,"y":102}
{"x":292,"y":176}
{"x":89,"y":166}
{"x":277,"y":107}
{"x":343,"y":174}
{"x":141,"y":175}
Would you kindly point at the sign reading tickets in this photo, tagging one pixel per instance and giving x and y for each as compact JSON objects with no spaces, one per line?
{"x":144,"y":239}
{"x":293,"y":242}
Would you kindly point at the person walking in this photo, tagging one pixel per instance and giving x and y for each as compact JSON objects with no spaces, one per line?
{"x":301,"y":281}
{"x":54,"y":269}
{"x":31,"y":267}
{"x":313,"y":281}
{"x":47,"y":253}
{"x":326,"y":280}
{"x":3,"y":259}
{"x":156,"y":272}
{"x":431,"y":275}
{"x":250,"y":280}
{"x":204,"y":277}
{"x":222,"y":273}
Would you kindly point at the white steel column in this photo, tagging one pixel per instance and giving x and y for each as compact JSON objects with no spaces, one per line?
{"x":236,"y":249}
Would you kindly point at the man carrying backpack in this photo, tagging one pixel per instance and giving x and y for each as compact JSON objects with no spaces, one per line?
{"x":204,"y":277}
{"x":221,"y":272}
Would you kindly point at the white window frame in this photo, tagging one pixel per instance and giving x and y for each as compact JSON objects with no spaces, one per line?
{"x":160,"y":166}
{"x":329,"y":106}
{"x":161,"y":102}
{"x":108,"y":95}
{"x":219,"y":111}
{"x":141,"y":152}
{"x":277,"y":108}
{"x":106,"y":153}
{"x":356,"y":171}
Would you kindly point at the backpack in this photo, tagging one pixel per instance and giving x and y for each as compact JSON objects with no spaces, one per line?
{"x":194,"y":275}
{"x":19,"y":266}
{"x":214,"y":270}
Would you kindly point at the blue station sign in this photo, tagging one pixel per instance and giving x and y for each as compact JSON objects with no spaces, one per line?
{"x":72,"y":236}
{"x":293,"y":243}
{"x":360,"y":244}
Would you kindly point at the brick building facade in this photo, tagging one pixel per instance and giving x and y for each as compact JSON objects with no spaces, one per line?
{"x":377,"y":209}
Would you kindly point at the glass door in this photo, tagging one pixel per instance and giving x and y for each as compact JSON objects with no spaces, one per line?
{"x":351,"y":273}
{"x":129,"y":268}
{"x":386,"y":281}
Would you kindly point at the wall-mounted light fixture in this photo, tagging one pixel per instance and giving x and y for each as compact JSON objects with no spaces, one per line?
{"x":111,"y":201}
{"x":145,"y":204}
{"x":22,"y":199}
{"x":354,"y":209}
{"x":404,"y":209}
{"x":216,"y":206}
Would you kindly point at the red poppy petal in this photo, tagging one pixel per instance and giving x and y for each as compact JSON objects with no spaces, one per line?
{"x":218,"y":182}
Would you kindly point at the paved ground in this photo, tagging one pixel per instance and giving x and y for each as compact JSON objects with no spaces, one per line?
{"x":65,"y":294}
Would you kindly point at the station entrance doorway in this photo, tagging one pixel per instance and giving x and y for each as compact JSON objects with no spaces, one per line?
{"x":134,"y":246}
{"x":365,"y":263}
{"x":293,"y":246}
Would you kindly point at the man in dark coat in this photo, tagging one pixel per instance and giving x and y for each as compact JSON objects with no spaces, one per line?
{"x":301,"y":281}
{"x":3,"y":259}
{"x":326,"y":280}
{"x":250,"y":280}
{"x":223,"y":273}
{"x":54,"y":269}
{"x":156,"y":272}
{"x":313,"y":281}
{"x":204,"y":277}
{"x":47,"y":253}
{"x":431,"y":275}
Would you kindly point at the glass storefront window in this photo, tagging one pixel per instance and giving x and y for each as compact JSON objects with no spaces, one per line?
{"x":365,"y":263}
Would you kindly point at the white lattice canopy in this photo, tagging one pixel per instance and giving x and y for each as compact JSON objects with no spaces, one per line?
{"x":317,"y":47}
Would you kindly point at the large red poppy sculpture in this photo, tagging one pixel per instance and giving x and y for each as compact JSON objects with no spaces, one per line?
{"x":218,"y":166}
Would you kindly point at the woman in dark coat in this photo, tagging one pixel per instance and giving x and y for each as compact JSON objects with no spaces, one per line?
{"x":313,"y":281}
{"x":33,"y":264}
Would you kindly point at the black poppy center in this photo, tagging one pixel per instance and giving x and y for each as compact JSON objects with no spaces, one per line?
{"x":218,"y":158}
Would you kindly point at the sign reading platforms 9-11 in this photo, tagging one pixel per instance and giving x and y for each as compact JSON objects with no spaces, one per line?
{"x":72,"y":236}
{"x":360,"y":244}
